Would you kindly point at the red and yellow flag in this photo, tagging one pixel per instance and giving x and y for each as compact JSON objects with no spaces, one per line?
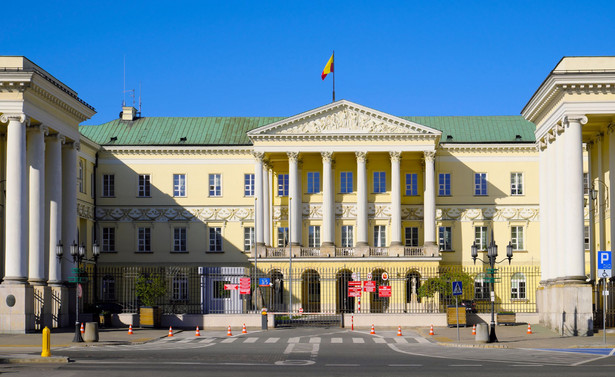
{"x":328,"y":68}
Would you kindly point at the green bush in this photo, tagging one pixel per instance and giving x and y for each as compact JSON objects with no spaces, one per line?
{"x":150,"y":289}
{"x":443,"y":284}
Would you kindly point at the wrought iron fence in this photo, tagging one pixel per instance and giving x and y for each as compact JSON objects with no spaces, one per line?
{"x":403,"y":289}
{"x":599,"y":298}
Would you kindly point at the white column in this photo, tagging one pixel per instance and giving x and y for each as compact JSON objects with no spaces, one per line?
{"x":395,"y":199}
{"x":591,"y":146}
{"x":552,"y":212}
{"x":258,"y":188}
{"x":36,"y":169}
{"x":600,"y":207}
{"x":573,"y":267}
{"x":295,"y":192}
{"x":53,"y":197}
{"x":266,"y":206}
{"x":362,"y":230}
{"x":16,"y":251}
{"x":543,"y":196}
{"x":429,"y":216}
{"x":328,"y":201}
{"x":611,"y":196}
{"x":69,"y":204}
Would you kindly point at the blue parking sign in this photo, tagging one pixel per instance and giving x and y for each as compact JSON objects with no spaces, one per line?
{"x":605,"y":264}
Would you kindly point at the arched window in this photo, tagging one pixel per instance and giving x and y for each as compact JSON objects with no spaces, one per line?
{"x":108,"y":288}
{"x":481,"y":288}
{"x":517,"y":286}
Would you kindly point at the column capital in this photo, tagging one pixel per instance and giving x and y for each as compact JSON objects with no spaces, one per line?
{"x":14,"y":117}
{"x":57,"y":136}
{"x":361,"y":156}
{"x":574,"y":118}
{"x":327,"y":156}
{"x":293,"y":156}
{"x":429,"y":156}
{"x":395,"y":155}
{"x":39,"y":128}
{"x":258,"y":156}
{"x":72,"y":145}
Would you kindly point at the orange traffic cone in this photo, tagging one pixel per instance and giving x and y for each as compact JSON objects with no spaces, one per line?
{"x":197,"y":333}
{"x":372,"y":331}
{"x":399,"y":331}
{"x":529,"y":329}
{"x":82,"y":328}
{"x":243,"y":329}
{"x":228,"y":332}
{"x":130,"y":330}
{"x":431,"y":330}
{"x":474,"y":330}
{"x":170,"y":331}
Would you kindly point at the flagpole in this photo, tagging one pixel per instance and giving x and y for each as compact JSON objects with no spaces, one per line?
{"x":333,"y":64}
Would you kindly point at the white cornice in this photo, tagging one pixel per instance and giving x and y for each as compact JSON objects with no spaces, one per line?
{"x":503,"y":148}
{"x":572,"y":108}
{"x":176,"y":150}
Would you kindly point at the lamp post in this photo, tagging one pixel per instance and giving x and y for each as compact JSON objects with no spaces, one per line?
{"x":492,"y":254}
{"x":95,"y":254}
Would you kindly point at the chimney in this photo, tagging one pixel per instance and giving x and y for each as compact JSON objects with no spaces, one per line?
{"x":128,"y":113}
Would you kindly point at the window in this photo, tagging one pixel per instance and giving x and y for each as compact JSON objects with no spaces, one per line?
{"x":586,"y":185}
{"x":516,"y":238}
{"x":346,"y":182}
{"x":108,"y":185}
{"x":445,"y":238}
{"x":179,"y":286}
{"x":80,"y":177}
{"x":179,"y":185}
{"x":480,"y":184}
{"x":179,"y":240}
{"x":516,"y":183}
{"x":282,"y":236}
{"x":248,"y":238}
{"x":215,"y":239}
{"x":215,"y":185}
{"x":248,"y":181}
{"x":144,"y":240}
{"x":108,"y":239}
{"x":444,"y":184}
{"x":107,"y":289}
{"x":380,"y":236}
{"x":144,"y":186}
{"x":480,"y":237}
{"x":379,"y":182}
{"x":412,"y":236}
{"x":347,"y":236}
{"x":314,"y":236}
{"x":282,"y":184}
{"x":219,"y":291}
{"x":412,"y":187}
{"x":586,"y":237}
{"x":517,"y":286}
{"x":313,"y":181}
{"x":481,"y":288}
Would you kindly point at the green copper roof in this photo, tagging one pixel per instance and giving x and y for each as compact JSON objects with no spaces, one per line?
{"x":232,"y":130}
{"x":480,"y":129}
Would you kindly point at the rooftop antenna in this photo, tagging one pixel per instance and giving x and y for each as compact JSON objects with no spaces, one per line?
{"x":124,"y":89}
{"x":139,"y":98}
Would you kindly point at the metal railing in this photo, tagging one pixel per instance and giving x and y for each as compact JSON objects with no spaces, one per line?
{"x":310,"y":252}
{"x":378,"y":251}
{"x":344,"y":252}
{"x":413,"y":251}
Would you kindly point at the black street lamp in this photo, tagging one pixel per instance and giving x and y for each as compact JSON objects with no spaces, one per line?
{"x":492,"y":254}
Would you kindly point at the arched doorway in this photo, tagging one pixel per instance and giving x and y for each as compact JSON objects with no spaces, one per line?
{"x":276,"y":296}
{"x":378,"y":304}
{"x":413,"y":282}
{"x":344,"y":304}
{"x":310,"y":289}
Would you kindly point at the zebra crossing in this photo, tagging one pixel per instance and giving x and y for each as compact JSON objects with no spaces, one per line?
{"x":203,"y":342}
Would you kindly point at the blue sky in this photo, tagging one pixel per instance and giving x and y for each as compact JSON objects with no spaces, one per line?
{"x":264,"y":58}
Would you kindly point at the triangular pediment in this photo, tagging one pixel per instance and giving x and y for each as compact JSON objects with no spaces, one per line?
{"x":343,"y":118}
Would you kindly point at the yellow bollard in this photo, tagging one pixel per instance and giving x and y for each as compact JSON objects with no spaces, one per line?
{"x":46,"y":342}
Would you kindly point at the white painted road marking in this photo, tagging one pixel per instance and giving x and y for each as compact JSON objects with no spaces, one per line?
{"x":336,"y":340}
{"x":272,"y":340}
{"x":358,"y":340}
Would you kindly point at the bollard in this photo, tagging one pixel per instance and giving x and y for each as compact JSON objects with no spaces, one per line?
{"x":482,"y":333}
{"x":264,"y":319}
{"x":46,"y":342}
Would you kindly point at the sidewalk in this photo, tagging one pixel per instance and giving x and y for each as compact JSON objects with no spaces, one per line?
{"x":517,"y":337}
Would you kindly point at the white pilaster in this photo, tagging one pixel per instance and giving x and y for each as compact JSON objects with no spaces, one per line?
{"x":266,"y":206}
{"x":16,"y":251}
{"x":295,"y":192}
{"x":552,"y":212}
{"x":36,"y":170}
{"x":429,"y":216}
{"x":543,"y":195}
{"x":395,"y":199}
{"x":611,"y":195}
{"x":258,"y":192}
{"x":69,"y":204}
{"x":574,"y":219}
{"x":362,"y":230}
{"x":53,"y":198}
{"x":328,"y":201}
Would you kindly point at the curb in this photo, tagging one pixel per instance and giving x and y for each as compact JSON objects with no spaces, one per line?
{"x":34,"y":360}
{"x":466,"y":345}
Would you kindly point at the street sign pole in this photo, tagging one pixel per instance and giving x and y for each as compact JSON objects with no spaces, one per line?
{"x":605,"y":297}
{"x":457,"y":291}
{"x":457,"y":313}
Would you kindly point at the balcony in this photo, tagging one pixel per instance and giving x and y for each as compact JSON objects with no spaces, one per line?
{"x":349,"y":252}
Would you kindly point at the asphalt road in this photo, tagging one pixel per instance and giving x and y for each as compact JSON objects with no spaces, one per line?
{"x":315,"y":352}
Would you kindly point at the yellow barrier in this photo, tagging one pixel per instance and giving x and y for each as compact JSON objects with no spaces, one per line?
{"x":46,"y":342}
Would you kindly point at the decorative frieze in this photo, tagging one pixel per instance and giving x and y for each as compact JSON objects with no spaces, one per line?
{"x":85,"y":210}
{"x":164,"y":214}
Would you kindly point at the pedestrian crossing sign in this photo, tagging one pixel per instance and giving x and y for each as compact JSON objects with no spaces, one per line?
{"x":457,"y":288}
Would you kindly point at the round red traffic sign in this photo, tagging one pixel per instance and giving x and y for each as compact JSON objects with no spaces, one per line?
{"x":385,"y":276}
{"x":300,"y":310}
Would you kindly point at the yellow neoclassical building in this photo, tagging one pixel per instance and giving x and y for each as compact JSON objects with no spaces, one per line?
{"x":342,"y":208}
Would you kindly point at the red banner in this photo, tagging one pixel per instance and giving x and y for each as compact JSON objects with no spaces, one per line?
{"x":384,"y":291}
{"x":369,"y":286}
{"x":354,"y":291}
{"x":231,"y":287}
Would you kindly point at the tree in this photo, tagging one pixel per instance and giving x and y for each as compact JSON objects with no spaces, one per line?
{"x":150,"y":288}
{"x":443,"y":284}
